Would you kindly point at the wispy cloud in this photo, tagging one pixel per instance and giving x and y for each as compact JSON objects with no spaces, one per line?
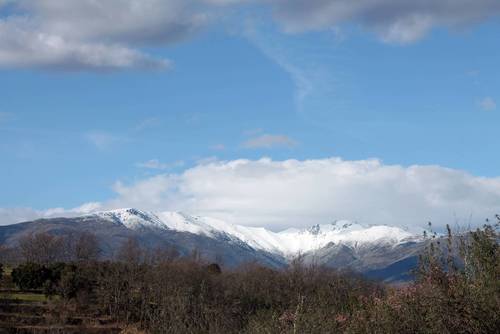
{"x":218,"y":147}
{"x":193,"y":118}
{"x":269,"y":141}
{"x":488,"y":104}
{"x":253,"y":132}
{"x":281,"y":56}
{"x":156,"y":164}
{"x":5,"y":116}
{"x":147,"y":123}
{"x":313,"y":71}
{"x":102,"y":140}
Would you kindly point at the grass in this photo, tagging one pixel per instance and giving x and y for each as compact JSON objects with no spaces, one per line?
{"x":11,"y":293}
{"x":6,"y":283}
{"x":7,"y":270}
{"x":28,"y":297}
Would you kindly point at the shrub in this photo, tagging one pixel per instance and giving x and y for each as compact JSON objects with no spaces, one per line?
{"x":75,"y":281}
{"x":30,"y":276}
{"x":457,"y":291}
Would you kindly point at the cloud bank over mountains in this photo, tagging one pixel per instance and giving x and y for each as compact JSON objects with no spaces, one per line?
{"x":112,"y":34}
{"x":293,"y":193}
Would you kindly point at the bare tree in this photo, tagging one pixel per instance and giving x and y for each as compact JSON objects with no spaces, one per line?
{"x":4,"y":252}
{"x":130,"y":252}
{"x":161,"y":255}
{"x":43,"y":248}
{"x":86,"y":247}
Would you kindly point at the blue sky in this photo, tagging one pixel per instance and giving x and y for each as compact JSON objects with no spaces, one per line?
{"x":245,"y":87}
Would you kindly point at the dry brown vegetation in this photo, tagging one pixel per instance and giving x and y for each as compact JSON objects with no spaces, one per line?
{"x":456,"y":291}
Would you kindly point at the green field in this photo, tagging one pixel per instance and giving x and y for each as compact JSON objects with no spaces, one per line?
{"x":29,"y":297}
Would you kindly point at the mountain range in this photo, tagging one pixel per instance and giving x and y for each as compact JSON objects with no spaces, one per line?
{"x":381,"y":252}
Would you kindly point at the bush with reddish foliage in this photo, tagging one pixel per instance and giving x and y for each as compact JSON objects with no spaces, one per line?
{"x":457,"y":291}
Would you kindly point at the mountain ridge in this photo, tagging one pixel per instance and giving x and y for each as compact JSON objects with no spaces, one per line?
{"x":385,"y":252}
{"x":289,"y":242}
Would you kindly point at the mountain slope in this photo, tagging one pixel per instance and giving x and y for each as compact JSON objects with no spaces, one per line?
{"x":342,"y":244}
{"x":112,"y":229}
{"x":288,"y":243}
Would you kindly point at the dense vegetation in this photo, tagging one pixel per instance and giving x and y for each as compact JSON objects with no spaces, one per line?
{"x":456,"y":290}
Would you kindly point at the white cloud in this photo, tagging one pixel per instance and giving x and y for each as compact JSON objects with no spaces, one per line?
{"x":488,"y":104}
{"x":21,"y":47}
{"x":109,"y":34}
{"x":269,"y":141}
{"x":280,"y":194}
{"x":16,"y":215}
{"x":87,"y":208}
{"x":89,"y":34}
{"x":300,"y":193}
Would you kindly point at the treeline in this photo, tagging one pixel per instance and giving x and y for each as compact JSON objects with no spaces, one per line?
{"x":45,"y":248}
{"x":456,"y":291}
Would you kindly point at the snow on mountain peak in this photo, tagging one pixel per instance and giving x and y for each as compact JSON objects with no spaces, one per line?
{"x":289,"y":242}
{"x":131,"y":218}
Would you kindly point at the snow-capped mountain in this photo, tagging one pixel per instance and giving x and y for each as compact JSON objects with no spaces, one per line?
{"x":380,"y":251}
{"x":287,"y":243}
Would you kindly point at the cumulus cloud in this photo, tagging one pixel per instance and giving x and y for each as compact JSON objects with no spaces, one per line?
{"x":399,"y":21}
{"x":87,"y":34}
{"x":488,"y":104}
{"x":287,"y":193}
{"x":127,"y":21}
{"x":20,"y":47}
{"x":109,"y":34}
{"x":279,"y":194}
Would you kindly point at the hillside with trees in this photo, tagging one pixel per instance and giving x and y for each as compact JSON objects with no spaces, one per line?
{"x":456,"y":290}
